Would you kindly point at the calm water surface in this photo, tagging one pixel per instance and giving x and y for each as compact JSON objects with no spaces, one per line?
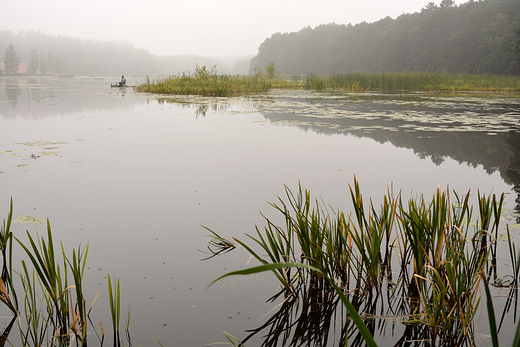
{"x":136,"y":175}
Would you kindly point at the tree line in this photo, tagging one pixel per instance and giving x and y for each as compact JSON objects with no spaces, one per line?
{"x":474,"y":37}
{"x":34,"y":52}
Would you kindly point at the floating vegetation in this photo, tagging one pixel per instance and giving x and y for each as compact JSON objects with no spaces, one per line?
{"x":42,"y":143}
{"x":22,"y":165}
{"x":49,"y":153}
{"x":77,"y":161}
{"x":13,"y":152}
{"x":418,"y":263}
{"x":29,"y":219}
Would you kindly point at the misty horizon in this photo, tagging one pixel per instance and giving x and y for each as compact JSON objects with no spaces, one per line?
{"x":200,"y":28}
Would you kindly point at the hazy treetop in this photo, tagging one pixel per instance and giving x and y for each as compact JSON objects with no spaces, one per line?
{"x":201,"y":27}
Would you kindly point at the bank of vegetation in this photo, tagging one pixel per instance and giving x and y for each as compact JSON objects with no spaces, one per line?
{"x":475,"y":37}
{"x":208,"y":82}
{"x":413,"y":81}
{"x":419,"y":262}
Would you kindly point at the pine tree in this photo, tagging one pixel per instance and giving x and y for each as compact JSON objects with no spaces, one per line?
{"x":11,"y":60}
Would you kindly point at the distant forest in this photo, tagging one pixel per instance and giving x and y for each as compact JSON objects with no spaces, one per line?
{"x":474,"y":37}
{"x":66,"y":55}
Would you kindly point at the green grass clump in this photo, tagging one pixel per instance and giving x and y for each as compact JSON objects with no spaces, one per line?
{"x":418,"y":260}
{"x":53,"y":311}
{"x":415,"y":81}
{"x":209,"y":83}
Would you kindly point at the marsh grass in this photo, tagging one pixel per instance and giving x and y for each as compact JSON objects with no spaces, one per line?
{"x":54,"y":311}
{"x":114,"y":296}
{"x":413,"y":81}
{"x":439,"y":250}
{"x":210,"y":83}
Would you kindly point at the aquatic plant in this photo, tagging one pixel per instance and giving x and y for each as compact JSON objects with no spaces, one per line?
{"x":414,"y":81}
{"x":54,"y":312}
{"x":211,"y":83}
{"x":440,"y":254}
{"x":114,"y":297}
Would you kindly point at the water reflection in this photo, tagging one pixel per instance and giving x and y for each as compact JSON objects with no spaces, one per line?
{"x":32,"y":98}
{"x":12,"y":92}
{"x":467,"y":128}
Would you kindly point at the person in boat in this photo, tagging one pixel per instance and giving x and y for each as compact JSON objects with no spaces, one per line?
{"x":122,"y":83}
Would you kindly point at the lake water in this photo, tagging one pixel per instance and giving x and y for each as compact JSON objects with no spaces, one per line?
{"x":136,"y":175}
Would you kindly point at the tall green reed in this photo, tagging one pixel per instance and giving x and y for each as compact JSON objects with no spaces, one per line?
{"x":6,"y":246}
{"x":79,"y":260}
{"x":114,"y":296}
{"x":54,"y":310}
{"x":437,"y":247}
{"x":414,"y":81}
{"x":53,"y":278}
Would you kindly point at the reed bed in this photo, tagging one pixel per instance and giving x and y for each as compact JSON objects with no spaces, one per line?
{"x":210,"y":83}
{"x":426,"y":258}
{"x":414,"y":81}
{"x":49,"y":310}
{"x":221,"y":85}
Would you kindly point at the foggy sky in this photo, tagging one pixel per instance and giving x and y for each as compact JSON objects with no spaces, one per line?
{"x":199,"y":27}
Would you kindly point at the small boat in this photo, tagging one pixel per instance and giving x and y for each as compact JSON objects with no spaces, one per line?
{"x":117,"y":85}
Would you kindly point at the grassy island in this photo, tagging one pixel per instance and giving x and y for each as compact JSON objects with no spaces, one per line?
{"x":210,"y":83}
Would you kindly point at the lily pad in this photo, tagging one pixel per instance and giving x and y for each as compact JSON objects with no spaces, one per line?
{"x":77,"y":161}
{"x":42,"y":143}
{"x":29,"y":220}
{"x":502,"y":237}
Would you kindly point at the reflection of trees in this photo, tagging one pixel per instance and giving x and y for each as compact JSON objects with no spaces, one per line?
{"x":13,"y":92}
{"x":39,"y":98}
{"x":436,"y":132}
{"x":513,"y":170}
{"x":202,"y":104}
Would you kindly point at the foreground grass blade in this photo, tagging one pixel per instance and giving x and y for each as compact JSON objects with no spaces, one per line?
{"x":491,"y":314}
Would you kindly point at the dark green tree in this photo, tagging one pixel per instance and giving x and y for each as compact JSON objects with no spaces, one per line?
{"x":32,"y":68}
{"x":11,"y":60}
{"x":447,"y":3}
